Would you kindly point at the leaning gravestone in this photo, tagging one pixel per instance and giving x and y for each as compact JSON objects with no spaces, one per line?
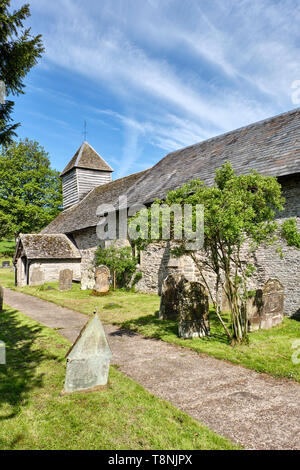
{"x":88,"y":359}
{"x":265,"y":308}
{"x":102,"y":275}
{"x":193,"y":310}
{"x":1,"y":298}
{"x":65,"y":279}
{"x":169,"y":300}
{"x":37,"y":277}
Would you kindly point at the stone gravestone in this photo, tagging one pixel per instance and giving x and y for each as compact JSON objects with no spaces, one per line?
{"x":1,"y":298}
{"x":2,"y":353}
{"x":65,"y":279}
{"x":88,"y":359}
{"x":101,"y":286}
{"x":265,"y":308}
{"x":169,"y":297}
{"x":37,"y":277}
{"x":5,"y":264}
{"x":225,"y":306}
{"x":193,"y":310}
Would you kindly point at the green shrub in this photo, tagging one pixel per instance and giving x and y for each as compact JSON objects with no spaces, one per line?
{"x":121,"y":263}
{"x":290,"y":233}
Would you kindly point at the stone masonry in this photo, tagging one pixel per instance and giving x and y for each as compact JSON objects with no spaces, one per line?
{"x":87,"y":242}
{"x":157,"y":262}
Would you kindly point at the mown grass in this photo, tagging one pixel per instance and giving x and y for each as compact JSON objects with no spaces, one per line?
{"x":33,"y":415}
{"x":268,"y":351}
{"x":7,"y":277}
{"x":7,"y":248}
{"x":128,"y":305}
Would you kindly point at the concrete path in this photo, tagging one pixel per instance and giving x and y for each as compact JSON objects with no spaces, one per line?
{"x":256,"y":410}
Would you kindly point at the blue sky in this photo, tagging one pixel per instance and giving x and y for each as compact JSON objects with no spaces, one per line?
{"x":152,"y":76}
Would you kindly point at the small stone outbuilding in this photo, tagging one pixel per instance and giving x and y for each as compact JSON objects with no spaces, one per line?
{"x":40,"y":258}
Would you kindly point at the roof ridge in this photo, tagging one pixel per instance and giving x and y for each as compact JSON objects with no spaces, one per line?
{"x":86,"y":157}
{"x":79,"y":154}
{"x":109,"y":191}
{"x":271,"y":146}
{"x":224,"y":134}
{"x":87,"y":143}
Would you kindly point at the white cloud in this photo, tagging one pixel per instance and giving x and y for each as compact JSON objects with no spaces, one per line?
{"x":109,"y":57}
{"x":186,"y":70}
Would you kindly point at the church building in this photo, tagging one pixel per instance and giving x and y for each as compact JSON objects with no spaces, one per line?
{"x":271,"y":146}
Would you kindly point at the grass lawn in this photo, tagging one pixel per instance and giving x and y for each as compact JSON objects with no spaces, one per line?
{"x":268,"y":351}
{"x":7,"y":277}
{"x":116,"y":307}
{"x":33,"y":415}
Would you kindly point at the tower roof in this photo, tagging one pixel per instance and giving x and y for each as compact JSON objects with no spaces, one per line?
{"x":87,"y":157}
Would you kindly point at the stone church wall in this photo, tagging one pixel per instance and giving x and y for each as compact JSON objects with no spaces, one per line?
{"x":157,"y":263}
{"x":87,"y":242}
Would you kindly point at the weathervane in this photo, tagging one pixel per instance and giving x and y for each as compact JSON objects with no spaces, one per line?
{"x":84,"y":131}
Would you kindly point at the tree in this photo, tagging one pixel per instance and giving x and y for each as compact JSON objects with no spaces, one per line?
{"x":239,"y":215}
{"x":30,"y":191}
{"x":19,"y":52}
{"x":289,"y":232}
{"x":120,"y":261}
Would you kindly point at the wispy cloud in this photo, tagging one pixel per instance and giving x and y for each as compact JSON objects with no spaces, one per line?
{"x":181,"y":72}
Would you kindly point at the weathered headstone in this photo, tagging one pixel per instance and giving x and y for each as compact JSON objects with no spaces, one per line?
{"x":88,"y":359}
{"x":193,"y":310}
{"x":2,"y":353}
{"x":225,"y":306}
{"x":37,"y":277}
{"x":169,"y":297}
{"x":265,"y":307}
{"x":102,"y":275}
{"x":1,"y":298}
{"x":5,"y":264}
{"x":65,"y":279}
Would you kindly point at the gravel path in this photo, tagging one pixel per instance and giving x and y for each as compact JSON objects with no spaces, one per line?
{"x":256,"y":410}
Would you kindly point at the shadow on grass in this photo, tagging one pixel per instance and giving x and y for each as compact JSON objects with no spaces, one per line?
{"x":159,"y":329}
{"x":23,"y":356}
{"x":296,"y":315}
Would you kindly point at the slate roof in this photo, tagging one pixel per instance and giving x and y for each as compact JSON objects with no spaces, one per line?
{"x":83,"y":214}
{"x":271,"y":147}
{"x":87,"y":157}
{"x":38,"y":246}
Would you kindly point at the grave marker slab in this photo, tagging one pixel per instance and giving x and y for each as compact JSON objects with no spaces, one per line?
{"x":265,"y":308}
{"x":169,"y":301}
{"x":88,"y":359}
{"x":2,"y":353}
{"x":37,"y":277}
{"x":1,"y":298}
{"x":65,"y":279}
{"x":193,"y":307}
{"x":102,"y":275}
